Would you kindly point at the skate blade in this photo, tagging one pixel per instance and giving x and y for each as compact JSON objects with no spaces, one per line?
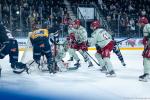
{"x":143,"y":80}
{"x":72,"y":68}
{"x":104,"y":71}
{"x":18,"y":72}
{"x":114,"y":75}
{"x":90,"y":66}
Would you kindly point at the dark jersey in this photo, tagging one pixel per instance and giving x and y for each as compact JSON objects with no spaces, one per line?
{"x":3,"y":34}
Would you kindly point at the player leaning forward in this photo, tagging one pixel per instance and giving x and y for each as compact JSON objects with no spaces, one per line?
{"x":146,"y":53}
{"x":104,"y":44}
{"x":80,"y":39}
{"x":9,"y":46}
{"x":41,"y":46}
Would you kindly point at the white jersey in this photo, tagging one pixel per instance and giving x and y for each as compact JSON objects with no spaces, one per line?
{"x":100,"y":37}
{"x":81,"y":34}
{"x":146,"y":32}
{"x":9,"y":35}
{"x":71,"y":30}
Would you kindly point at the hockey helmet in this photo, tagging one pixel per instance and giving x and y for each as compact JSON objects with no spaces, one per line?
{"x":143,"y":20}
{"x":95,"y":24}
{"x":77,"y":22}
{"x":70,"y":25}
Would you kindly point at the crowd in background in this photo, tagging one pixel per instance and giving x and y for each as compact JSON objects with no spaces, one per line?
{"x":121,"y":15}
{"x":20,"y":15}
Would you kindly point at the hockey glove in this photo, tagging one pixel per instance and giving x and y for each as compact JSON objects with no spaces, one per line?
{"x":97,"y":47}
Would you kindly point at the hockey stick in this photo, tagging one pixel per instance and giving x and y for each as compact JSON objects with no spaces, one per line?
{"x":117,"y":41}
{"x":123,"y":40}
{"x":92,"y":58}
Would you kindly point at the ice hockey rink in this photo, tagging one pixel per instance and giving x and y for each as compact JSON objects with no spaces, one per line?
{"x":82,"y":84}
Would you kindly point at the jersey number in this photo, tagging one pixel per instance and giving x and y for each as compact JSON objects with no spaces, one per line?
{"x":105,"y":36}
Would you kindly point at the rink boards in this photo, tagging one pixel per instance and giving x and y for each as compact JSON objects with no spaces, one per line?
{"x":130,"y":44}
{"x":92,"y":48}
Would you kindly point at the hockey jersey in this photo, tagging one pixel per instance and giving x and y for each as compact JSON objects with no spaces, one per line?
{"x":9,"y":34}
{"x":100,"y":37}
{"x":146,"y":32}
{"x":71,"y":30}
{"x":3,"y":34}
{"x":80,"y":34}
{"x":39,"y":33}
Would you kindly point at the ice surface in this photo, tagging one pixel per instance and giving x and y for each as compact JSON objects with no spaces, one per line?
{"x":84,"y":83}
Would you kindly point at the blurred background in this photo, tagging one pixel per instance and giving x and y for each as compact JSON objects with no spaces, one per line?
{"x":120,"y":17}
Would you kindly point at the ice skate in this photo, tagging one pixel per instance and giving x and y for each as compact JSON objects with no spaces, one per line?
{"x":19,"y":68}
{"x":144,"y":77}
{"x":90,"y":64}
{"x":111,"y":74}
{"x":103,"y":69}
{"x":123,"y":63}
{"x":77,"y":63}
{"x":51,"y":68}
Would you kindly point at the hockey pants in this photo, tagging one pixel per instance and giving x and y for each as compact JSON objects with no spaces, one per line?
{"x":38,"y":51}
{"x":10,"y":48}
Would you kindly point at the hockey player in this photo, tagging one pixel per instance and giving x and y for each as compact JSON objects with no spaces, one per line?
{"x":117,"y":51}
{"x":40,"y":42}
{"x":9,"y":46}
{"x":60,"y":54}
{"x":80,"y":41}
{"x":104,"y":44}
{"x":70,"y":49}
{"x":143,"y":22}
